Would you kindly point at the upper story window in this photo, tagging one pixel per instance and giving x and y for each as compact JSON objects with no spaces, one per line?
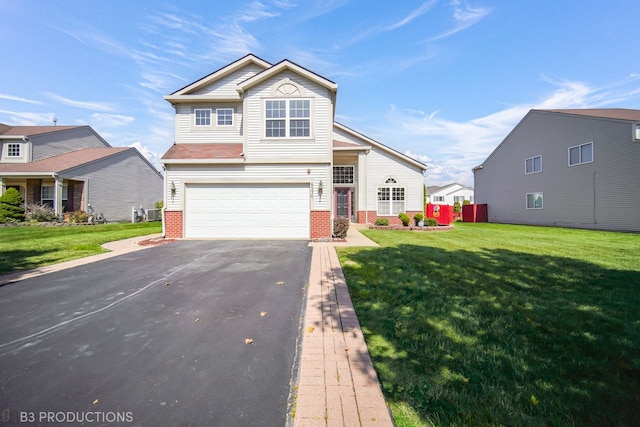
{"x":343,"y":174}
{"x":637,"y":132}
{"x":202,"y":116}
{"x":581,"y":154}
{"x":533,"y":165}
{"x":438,"y":198}
{"x":287,"y":118}
{"x":14,"y":149}
{"x":224,"y":116}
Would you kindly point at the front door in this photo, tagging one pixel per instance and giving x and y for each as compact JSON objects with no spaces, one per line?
{"x":343,"y":202}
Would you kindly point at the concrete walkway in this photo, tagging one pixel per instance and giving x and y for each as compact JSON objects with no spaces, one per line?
{"x":337,"y":384}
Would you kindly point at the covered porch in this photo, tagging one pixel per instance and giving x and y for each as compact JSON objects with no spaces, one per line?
{"x":62,"y":195}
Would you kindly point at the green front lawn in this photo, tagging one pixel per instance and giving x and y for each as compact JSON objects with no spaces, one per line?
{"x":494,"y":324}
{"x":28,"y":247}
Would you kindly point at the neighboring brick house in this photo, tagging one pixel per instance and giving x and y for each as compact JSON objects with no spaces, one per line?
{"x":568,"y":168}
{"x":71,"y":168}
{"x":257,"y":154}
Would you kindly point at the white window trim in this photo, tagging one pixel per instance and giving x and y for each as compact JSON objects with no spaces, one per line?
{"x":287,"y":119}
{"x":232,"y":116}
{"x":353,"y":176}
{"x":636,"y":131}
{"x":438,"y":199}
{"x":533,"y":165}
{"x":391,"y":186}
{"x":526,"y":200}
{"x":579,"y":146}
{"x":195,"y":123}
{"x":11,"y":145}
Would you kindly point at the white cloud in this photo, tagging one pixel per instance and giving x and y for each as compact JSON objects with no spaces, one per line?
{"x":88,"y":105}
{"x":452,"y":148}
{"x":150,"y":155}
{"x":464,"y":16}
{"x":28,"y":118}
{"x":424,"y":8}
{"x":111,"y":120}
{"x":18,"y":99}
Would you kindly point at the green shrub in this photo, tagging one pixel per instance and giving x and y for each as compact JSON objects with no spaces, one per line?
{"x":340,"y":227}
{"x":78,"y":217}
{"x":466,"y":202}
{"x":159,"y":205}
{"x":457,"y":207}
{"x":40,"y":213}
{"x":431,"y":222}
{"x":11,"y":209}
{"x":382,"y":221}
{"x":404,"y":218}
{"x":417,"y":218}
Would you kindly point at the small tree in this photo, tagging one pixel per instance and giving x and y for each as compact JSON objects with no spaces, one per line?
{"x":456,"y":206}
{"x":11,"y":209}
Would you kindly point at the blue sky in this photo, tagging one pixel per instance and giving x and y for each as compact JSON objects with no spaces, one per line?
{"x":441,"y":81}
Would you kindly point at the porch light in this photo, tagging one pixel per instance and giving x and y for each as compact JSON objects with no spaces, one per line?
{"x":320,"y":189}
{"x":172,"y":188}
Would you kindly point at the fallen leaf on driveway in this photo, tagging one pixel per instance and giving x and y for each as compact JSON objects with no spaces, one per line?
{"x":263,"y":313}
{"x":310,"y":329}
{"x":197,"y":320}
{"x":96,"y":401}
{"x":280,"y":283}
{"x":167,"y":284}
{"x":248,"y":340}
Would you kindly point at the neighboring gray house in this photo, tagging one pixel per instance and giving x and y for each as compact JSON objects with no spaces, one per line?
{"x":71,"y":168}
{"x":569,"y":168}
{"x":449,"y":194}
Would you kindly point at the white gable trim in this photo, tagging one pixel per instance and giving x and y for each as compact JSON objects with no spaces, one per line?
{"x":216,"y":75}
{"x":290,"y":66}
{"x":380,"y":146}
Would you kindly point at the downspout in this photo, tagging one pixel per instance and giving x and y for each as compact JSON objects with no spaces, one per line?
{"x":164,"y":200}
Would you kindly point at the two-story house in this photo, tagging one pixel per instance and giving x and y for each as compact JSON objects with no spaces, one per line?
{"x":72,"y":168}
{"x":449,"y":194}
{"x":569,"y":168}
{"x":257,"y":154}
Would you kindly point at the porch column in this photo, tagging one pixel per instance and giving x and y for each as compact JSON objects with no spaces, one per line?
{"x":57,"y":196}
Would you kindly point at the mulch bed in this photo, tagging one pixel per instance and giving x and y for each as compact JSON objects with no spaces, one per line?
{"x":155,"y":242}
{"x":411,"y":227}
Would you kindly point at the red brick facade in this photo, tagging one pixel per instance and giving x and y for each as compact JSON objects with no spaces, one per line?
{"x":173,"y":224}
{"x":363,"y":218}
{"x":320,"y":224}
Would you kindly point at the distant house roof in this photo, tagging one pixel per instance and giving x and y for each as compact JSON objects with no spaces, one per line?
{"x":62,"y":162}
{"x":606,"y":113}
{"x":437,"y":188}
{"x":32,"y":130}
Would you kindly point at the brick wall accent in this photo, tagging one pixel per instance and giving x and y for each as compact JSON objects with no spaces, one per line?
{"x":173,"y":224}
{"x":320,"y":224}
{"x":393,"y":220}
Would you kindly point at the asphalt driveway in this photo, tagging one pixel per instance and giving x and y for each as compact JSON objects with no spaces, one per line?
{"x":186,"y":333}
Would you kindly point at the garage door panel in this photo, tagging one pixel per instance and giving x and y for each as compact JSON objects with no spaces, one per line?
{"x":247,"y":211}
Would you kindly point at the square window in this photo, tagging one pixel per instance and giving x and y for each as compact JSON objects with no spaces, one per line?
{"x":287,"y":118}
{"x":225,"y":116}
{"x":13,"y":150}
{"x":343,"y":174}
{"x":533,"y":165}
{"x":534,"y":200}
{"x":202,"y":116}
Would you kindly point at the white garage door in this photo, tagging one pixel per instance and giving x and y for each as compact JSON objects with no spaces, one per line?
{"x":258,"y":211}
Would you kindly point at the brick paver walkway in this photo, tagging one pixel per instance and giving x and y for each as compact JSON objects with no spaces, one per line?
{"x":337,"y":384}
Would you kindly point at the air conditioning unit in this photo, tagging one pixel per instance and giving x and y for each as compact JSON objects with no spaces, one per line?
{"x":153,"y":214}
